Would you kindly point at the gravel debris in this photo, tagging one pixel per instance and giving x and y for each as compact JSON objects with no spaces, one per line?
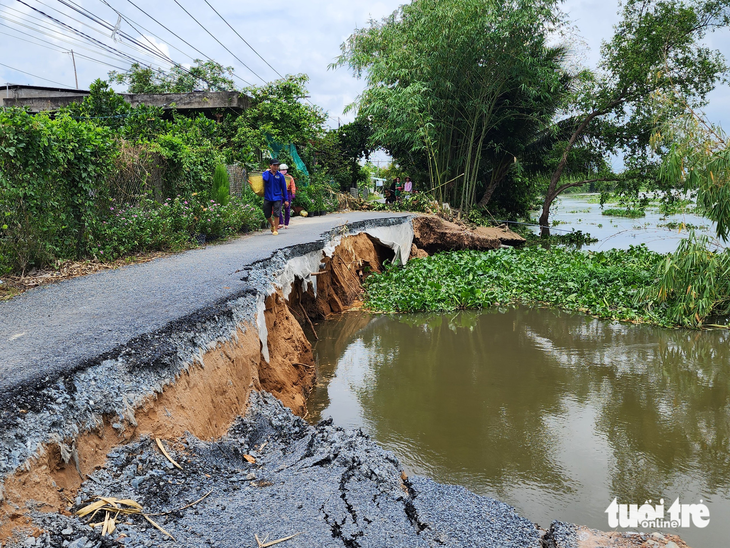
{"x":337,"y":488}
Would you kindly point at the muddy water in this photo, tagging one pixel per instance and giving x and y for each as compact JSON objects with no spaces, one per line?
{"x":556,"y":414}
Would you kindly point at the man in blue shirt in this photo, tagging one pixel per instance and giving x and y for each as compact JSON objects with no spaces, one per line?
{"x":274,"y":195}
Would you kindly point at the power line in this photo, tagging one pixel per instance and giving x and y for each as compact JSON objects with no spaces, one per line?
{"x":33,"y":75}
{"x":98,"y":20}
{"x":94,"y":40}
{"x":54,"y":30}
{"x":221,"y":43}
{"x":58,"y":49}
{"x":131,"y":23}
{"x":56,"y":35}
{"x":181,"y":39}
{"x":244,"y":40}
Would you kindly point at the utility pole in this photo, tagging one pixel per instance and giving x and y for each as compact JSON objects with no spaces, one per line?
{"x":73,"y":59}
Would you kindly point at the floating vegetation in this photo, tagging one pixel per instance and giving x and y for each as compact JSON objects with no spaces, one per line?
{"x":615,"y":284}
{"x":628,"y":212}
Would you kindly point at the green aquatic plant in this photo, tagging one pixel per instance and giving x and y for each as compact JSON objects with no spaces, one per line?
{"x":631,"y":213}
{"x":604,"y":284}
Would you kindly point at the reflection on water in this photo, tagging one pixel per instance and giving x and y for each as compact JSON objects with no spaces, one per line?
{"x":577,"y":212}
{"x":556,"y":414}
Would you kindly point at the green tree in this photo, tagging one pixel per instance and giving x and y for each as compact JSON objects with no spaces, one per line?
{"x":276,"y":112}
{"x":204,"y":75}
{"x":448,"y":81}
{"x":656,"y":48}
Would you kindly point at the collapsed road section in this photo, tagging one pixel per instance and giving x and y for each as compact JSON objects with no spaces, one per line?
{"x":175,"y":419}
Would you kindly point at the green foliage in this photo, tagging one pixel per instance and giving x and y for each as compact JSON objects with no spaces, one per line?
{"x":456,"y":87}
{"x":221,"y":185}
{"x":657,"y":50}
{"x":319,"y":196}
{"x":102,"y":105}
{"x":52,"y":173}
{"x":604,"y":284}
{"x":694,"y":282}
{"x":414,"y":201}
{"x":204,"y":75}
{"x":171,"y":225}
{"x":575,"y":238}
{"x":637,"y":285}
{"x":630,"y":213}
{"x":276,"y":111}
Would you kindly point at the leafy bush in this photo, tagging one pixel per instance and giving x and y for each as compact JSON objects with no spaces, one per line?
{"x":52,"y":177}
{"x":694,"y":282}
{"x":172,"y":225}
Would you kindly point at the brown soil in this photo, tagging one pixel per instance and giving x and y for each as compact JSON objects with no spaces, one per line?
{"x":590,"y":538}
{"x":433,"y":234}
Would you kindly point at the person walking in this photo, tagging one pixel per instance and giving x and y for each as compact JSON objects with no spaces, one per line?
{"x":291,"y":192}
{"x":274,"y":195}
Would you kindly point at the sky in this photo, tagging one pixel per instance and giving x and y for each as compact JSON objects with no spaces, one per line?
{"x":293,"y":37}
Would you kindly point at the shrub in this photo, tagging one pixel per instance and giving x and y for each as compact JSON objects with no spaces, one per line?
{"x":221,"y":186}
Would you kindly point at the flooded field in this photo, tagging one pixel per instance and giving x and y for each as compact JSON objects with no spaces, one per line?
{"x":553,"y":413}
{"x":659,"y":232}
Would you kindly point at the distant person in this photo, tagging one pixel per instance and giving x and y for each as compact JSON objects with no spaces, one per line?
{"x":291,"y":192}
{"x":408,"y":185}
{"x":274,"y":194}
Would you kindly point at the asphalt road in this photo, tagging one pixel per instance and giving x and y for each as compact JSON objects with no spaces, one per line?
{"x":52,"y":329}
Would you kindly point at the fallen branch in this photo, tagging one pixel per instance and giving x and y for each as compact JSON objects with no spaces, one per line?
{"x":157,"y":526}
{"x":310,"y":321}
{"x":303,"y":365}
{"x":159,"y":444}
{"x":267,"y":544}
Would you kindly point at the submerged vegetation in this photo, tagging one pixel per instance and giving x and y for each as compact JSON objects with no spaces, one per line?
{"x":615,"y":284}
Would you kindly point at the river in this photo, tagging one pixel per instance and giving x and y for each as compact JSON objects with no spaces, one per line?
{"x":556,"y":414}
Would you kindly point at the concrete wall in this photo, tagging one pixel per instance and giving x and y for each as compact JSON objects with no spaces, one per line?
{"x":39,"y":99}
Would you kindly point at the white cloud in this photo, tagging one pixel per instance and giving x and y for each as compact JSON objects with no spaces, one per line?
{"x":294,"y":37}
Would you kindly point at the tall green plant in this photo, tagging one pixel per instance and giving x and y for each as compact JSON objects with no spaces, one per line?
{"x":221,"y":185}
{"x":694,"y":282}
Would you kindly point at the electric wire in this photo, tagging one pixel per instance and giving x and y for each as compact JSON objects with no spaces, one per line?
{"x":53,"y":29}
{"x":221,"y":43}
{"x":83,"y":34}
{"x":242,"y":38}
{"x":158,"y":53}
{"x":131,"y":22}
{"x":59,"y":49}
{"x":182,"y":39}
{"x":33,"y":75}
{"x":98,"y":20}
{"x":77,"y":44}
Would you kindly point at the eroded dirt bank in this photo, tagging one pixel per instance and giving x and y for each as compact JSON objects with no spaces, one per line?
{"x":268,"y":474}
{"x":192,"y":377}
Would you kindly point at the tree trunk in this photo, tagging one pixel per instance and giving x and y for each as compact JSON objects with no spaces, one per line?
{"x":497,"y":178}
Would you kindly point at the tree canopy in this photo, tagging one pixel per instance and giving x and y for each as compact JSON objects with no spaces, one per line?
{"x":456,"y":87}
{"x":656,"y":49}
